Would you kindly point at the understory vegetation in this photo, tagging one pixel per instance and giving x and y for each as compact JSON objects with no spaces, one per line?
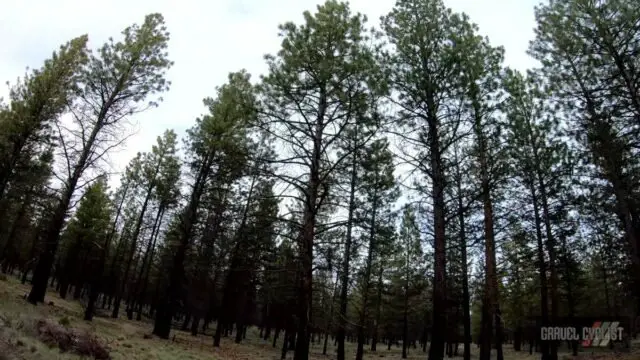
{"x":397,"y":192}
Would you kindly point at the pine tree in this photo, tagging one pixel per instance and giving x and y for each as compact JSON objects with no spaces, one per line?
{"x":540,"y":156}
{"x":588,"y":67}
{"x":166,"y":194}
{"x":162,"y":160}
{"x":323,"y":80}
{"x":217,"y":149}
{"x":26,"y":142}
{"x":36,"y":103}
{"x":113,"y":84}
{"x":423,"y":34}
{"x":483,"y":65}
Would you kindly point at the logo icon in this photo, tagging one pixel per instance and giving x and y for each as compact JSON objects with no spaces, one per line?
{"x":601,"y":334}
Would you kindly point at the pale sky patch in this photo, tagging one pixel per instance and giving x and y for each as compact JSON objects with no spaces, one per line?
{"x":209,"y":39}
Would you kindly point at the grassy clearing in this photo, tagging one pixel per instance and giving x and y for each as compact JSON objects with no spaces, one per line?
{"x":130,"y":340}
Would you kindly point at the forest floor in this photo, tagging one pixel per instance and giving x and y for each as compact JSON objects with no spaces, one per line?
{"x":33,"y":333}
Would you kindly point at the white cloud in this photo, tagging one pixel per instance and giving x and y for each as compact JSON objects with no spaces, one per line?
{"x":208,"y":40}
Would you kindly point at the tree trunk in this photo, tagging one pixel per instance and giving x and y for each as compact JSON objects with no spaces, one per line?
{"x":31,"y":257}
{"x":42,"y":271}
{"x":285,"y":343}
{"x":542,"y":268}
{"x":367,"y":275}
{"x":185,"y":323}
{"x":135,"y":293}
{"x":307,"y":235}
{"x":466,"y":316}
{"x":491,"y":293}
{"x":405,"y":321}
{"x":330,"y":323}
{"x":436,"y":351}
{"x":376,"y":324}
{"x":91,"y":306}
{"x":342,"y":319}
{"x":551,"y":250}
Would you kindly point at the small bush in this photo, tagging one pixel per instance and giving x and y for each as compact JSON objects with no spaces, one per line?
{"x":67,"y":340}
{"x":6,"y":348}
{"x":3,"y":277}
{"x":54,"y":335}
{"x":64,"y":321}
{"x":88,"y":345}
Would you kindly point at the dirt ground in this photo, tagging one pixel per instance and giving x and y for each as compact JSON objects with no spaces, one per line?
{"x":131,"y":340}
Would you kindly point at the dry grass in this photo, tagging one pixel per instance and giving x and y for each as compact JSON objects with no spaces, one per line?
{"x":130,"y":340}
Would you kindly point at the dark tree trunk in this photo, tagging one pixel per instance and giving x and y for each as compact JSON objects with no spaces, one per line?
{"x":168,"y":302}
{"x":285,"y":345}
{"x":542,"y":269}
{"x":405,"y":321}
{"x":64,"y":287}
{"x":376,"y":324}
{"x":230,"y":288}
{"x":436,"y":351}
{"x":194,"y":325}
{"x":77,"y":290}
{"x":91,"y":306}
{"x":367,"y":276}
{"x":551,"y":250}
{"x":491,"y":311}
{"x":42,"y":271}
{"x":292,"y":341}
{"x":240,"y":329}
{"x":305,"y":293}
{"x":308,"y":233}
{"x":331,"y":309}
{"x":137,"y":293}
{"x":517,"y":339}
{"x":185,"y":323}
{"x":466,"y":316}
{"x":342,"y":318}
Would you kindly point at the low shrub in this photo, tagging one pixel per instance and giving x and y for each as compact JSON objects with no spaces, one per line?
{"x":64,"y":321}
{"x":68,"y":340}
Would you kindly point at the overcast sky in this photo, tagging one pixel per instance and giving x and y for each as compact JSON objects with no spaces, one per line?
{"x":209,"y":39}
